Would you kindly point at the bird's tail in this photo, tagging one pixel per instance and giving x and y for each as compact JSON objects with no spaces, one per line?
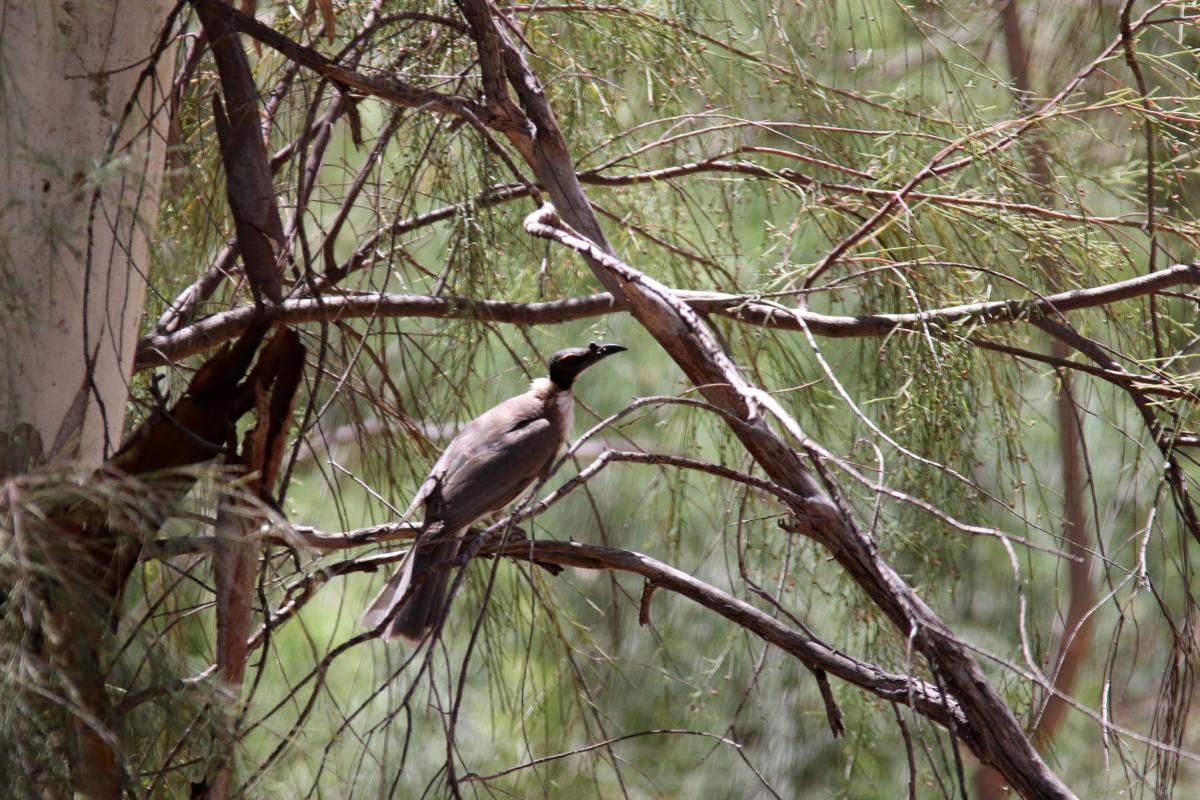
{"x":421,"y":608}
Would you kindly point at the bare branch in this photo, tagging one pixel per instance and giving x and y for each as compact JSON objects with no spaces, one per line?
{"x":247,"y":174}
{"x":720,"y":165}
{"x":158,"y":349}
{"x":924,"y":698}
{"x":998,"y":738}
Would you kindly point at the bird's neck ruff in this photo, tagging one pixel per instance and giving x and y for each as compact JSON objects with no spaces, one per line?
{"x":546,"y":388}
{"x":558,"y":403}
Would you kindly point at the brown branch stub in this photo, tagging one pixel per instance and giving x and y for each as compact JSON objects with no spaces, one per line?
{"x":201,"y":423}
{"x":271,"y":388}
{"x":96,"y":544}
{"x":833,"y":712}
{"x":644,"y":606}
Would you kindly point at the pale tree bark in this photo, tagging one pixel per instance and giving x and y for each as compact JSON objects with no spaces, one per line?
{"x":81,"y":162}
{"x":77,"y":205}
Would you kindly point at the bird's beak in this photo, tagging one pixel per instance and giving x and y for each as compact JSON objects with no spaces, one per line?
{"x":597,"y":353}
{"x":605,"y":350}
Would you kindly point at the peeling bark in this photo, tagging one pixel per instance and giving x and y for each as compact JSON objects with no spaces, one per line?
{"x":274,"y":384}
{"x":89,"y":550}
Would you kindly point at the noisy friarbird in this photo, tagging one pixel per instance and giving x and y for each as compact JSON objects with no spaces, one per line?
{"x":491,"y":461}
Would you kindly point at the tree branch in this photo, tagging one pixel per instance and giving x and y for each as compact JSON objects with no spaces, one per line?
{"x":923,"y":697}
{"x":158,"y":349}
{"x":248,"y":181}
{"x":992,"y":732}
{"x":392,"y":90}
{"x":599,"y":178}
{"x":903,"y":689}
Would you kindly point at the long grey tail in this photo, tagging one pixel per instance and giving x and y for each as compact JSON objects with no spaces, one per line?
{"x":422,"y":610}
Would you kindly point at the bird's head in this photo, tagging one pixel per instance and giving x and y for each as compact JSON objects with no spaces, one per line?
{"x":566,"y":365}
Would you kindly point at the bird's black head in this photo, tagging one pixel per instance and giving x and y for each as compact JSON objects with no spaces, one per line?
{"x":565,"y":365}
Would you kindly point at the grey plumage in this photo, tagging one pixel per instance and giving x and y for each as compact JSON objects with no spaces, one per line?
{"x":492,"y":460}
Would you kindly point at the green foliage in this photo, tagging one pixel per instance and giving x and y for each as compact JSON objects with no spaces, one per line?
{"x":806,"y":118}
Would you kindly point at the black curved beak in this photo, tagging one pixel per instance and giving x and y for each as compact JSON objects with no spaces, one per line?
{"x":566,"y":365}
{"x":600,"y":351}
{"x":597,"y":353}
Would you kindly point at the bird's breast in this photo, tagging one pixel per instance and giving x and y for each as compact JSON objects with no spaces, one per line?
{"x":558,"y":406}
{"x":566,"y":411}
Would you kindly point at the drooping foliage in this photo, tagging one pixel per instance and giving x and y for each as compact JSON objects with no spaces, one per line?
{"x":793,"y":170}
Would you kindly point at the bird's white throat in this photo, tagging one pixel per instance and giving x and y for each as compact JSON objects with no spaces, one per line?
{"x":564,"y":403}
{"x":545,"y":388}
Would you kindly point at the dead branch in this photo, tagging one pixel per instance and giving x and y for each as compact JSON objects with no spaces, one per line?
{"x":274,"y":384}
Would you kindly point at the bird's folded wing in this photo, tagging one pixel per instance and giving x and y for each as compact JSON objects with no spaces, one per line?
{"x":426,"y":488}
{"x":487,"y":470}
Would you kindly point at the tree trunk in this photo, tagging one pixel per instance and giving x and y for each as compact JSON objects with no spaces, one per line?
{"x":81,"y":154}
{"x":79,"y":197}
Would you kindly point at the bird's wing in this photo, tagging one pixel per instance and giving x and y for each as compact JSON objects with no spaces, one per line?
{"x":437,"y":472}
{"x":491,"y":462}
{"x":423,"y":491}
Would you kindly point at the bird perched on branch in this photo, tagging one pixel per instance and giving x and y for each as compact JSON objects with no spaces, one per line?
{"x":491,"y":461}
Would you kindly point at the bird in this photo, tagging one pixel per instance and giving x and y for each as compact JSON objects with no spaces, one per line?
{"x":491,"y":461}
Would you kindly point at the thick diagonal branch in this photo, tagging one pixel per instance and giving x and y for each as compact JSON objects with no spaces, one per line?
{"x":997,"y":736}
{"x":990,"y":728}
{"x":247,"y":174}
{"x":993,"y":732}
